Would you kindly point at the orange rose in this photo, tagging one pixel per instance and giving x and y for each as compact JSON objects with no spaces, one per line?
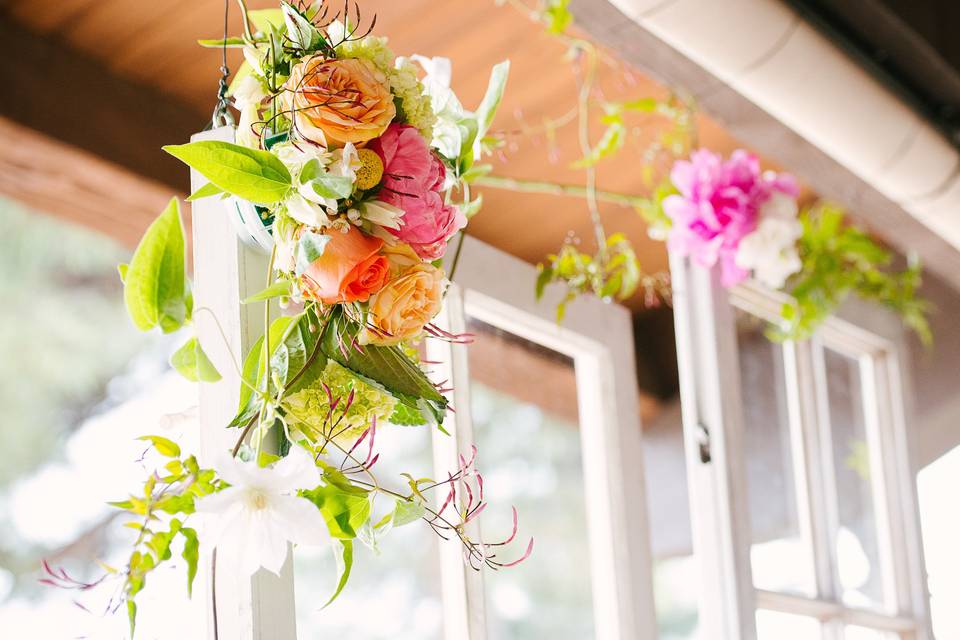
{"x":350,"y":269}
{"x":402,"y":308}
{"x":333,"y":102}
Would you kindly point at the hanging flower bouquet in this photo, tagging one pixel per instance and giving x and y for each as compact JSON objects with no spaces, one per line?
{"x":729,"y":213}
{"x":351,"y":160}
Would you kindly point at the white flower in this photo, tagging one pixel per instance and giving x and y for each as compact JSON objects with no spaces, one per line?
{"x":447,"y":132}
{"x":247,"y":91}
{"x":251,"y":522}
{"x":779,"y":205}
{"x":345,"y":162}
{"x":771,"y":251}
{"x":295,"y":156}
{"x":306,"y":212}
{"x":381,"y":213}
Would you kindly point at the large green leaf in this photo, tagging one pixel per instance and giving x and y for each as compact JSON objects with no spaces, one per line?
{"x":193,"y":364}
{"x":388,"y":366}
{"x":155,"y":288}
{"x":345,"y":512}
{"x":251,"y":174}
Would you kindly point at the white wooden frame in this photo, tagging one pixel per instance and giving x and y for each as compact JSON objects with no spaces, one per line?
{"x":225,"y":272}
{"x":713,"y":420}
{"x":497,"y":289}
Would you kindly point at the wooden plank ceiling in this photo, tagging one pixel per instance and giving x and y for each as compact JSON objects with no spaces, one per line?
{"x":152,"y":46}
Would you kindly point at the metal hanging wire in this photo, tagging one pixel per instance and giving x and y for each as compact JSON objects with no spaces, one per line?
{"x":221,"y":112}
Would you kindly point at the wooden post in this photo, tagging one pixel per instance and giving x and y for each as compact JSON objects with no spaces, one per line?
{"x":225,"y":272}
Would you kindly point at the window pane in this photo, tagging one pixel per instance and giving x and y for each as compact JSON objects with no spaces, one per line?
{"x":524,"y":409}
{"x":858,"y":556}
{"x":775,"y":625}
{"x":393,"y":594}
{"x":780,"y":557}
{"x":676,"y":573}
{"x":851,"y":632}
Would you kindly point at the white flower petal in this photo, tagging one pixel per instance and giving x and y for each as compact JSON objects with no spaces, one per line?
{"x":297,"y":470}
{"x":301,"y":520}
{"x":306,"y":212}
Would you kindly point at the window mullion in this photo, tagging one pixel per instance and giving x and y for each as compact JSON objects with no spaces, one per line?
{"x":713,"y":436}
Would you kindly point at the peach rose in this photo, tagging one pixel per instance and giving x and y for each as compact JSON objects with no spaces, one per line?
{"x":402,"y":308}
{"x":333,"y":102}
{"x":350,"y":269}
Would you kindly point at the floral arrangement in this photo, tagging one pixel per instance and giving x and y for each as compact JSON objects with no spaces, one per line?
{"x":358,"y":163}
{"x":729,"y":213}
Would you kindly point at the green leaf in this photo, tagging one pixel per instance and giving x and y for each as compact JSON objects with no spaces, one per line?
{"x":491,"y":101}
{"x":295,"y":353}
{"x":164,"y":446}
{"x":557,"y":16}
{"x":250,"y":174}
{"x":343,"y":553}
{"x":155,"y":288}
{"x":219,"y":43}
{"x":264,"y":19}
{"x":334,"y":187}
{"x":276,"y":290}
{"x":544,"y":277}
{"x":407,"y":511}
{"x":193,"y":364}
{"x":310,"y":247}
{"x":205,"y":191}
{"x":388,"y":366}
{"x":132,"y":615}
{"x":612,"y":141}
{"x":301,"y":31}
{"x":191,"y":554}
{"x":406,"y":416}
{"x":345,"y":512}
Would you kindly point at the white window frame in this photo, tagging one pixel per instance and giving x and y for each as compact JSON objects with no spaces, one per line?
{"x":714,"y":437}
{"x":497,"y":289}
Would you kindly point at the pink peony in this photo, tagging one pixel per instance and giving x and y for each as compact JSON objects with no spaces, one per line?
{"x":718,"y":205}
{"x":413,"y":179}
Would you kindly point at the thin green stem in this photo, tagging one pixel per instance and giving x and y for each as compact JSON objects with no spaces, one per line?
{"x":557,"y":189}
{"x":247,"y":32}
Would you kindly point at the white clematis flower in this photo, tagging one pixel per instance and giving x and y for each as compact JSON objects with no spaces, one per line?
{"x":770,"y":251}
{"x":251,"y":522}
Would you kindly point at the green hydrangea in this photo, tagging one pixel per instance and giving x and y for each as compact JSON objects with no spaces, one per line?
{"x":403,"y":76}
{"x":308,"y":409}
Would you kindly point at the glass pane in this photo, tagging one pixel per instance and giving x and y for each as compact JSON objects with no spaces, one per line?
{"x":779,"y":554}
{"x":393,"y":594}
{"x":524,"y":408}
{"x":851,"y":632}
{"x":776,"y":625}
{"x":858,"y":556}
{"x":676,"y":573}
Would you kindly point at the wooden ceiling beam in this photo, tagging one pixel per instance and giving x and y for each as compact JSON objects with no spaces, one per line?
{"x":50,"y":176}
{"x":75,"y":100}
